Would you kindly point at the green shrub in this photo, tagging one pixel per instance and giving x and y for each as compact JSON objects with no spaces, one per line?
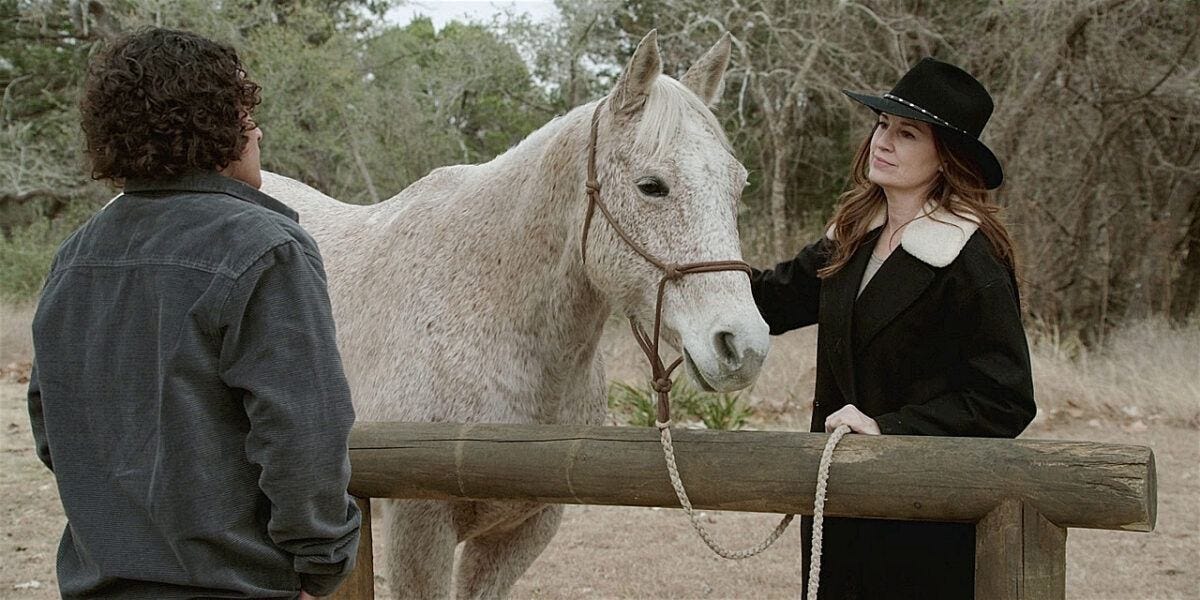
{"x":636,"y":405}
{"x":25,"y":259}
{"x":723,"y":411}
{"x":25,"y":253}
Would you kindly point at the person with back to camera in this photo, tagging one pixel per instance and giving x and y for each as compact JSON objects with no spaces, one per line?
{"x":915,"y":294}
{"x":187,"y":391}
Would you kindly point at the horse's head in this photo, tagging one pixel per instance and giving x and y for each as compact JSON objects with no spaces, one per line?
{"x":670,"y":181}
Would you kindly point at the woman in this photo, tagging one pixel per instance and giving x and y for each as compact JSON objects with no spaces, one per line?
{"x":920,"y":328}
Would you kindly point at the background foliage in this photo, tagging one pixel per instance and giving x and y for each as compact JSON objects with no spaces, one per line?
{"x":1100,"y":140}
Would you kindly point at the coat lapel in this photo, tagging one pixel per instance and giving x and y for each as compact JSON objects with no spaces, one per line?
{"x":930,"y":242}
{"x":899,"y":282}
{"x":837,"y":304}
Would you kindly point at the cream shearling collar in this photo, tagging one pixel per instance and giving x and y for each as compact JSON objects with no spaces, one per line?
{"x":935,"y":237}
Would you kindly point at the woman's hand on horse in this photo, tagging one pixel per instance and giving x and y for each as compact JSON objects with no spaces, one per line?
{"x":850,"y":416}
{"x":306,"y":596}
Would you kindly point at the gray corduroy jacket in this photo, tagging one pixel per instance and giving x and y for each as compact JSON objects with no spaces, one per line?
{"x":188,"y":394}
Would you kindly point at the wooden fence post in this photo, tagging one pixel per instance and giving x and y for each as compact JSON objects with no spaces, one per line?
{"x":1073,"y":484}
{"x":360,"y":585}
{"x":1019,"y":555}
{"x":1021,"y":494}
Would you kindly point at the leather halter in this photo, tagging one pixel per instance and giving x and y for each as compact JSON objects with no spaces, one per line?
{"x":671,"y":271}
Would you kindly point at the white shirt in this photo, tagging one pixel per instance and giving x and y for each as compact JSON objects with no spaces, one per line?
{"x":873,"y":265}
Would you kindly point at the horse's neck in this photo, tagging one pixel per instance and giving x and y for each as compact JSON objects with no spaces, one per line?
{"x":537,"y":193}
{"x":516,"y":228}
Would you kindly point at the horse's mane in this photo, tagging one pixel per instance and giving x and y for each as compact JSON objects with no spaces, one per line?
{"x":659,"y":125}
{"x":663,"y":115}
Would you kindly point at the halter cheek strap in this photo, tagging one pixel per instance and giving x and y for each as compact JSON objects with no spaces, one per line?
{"x":650,"y":345}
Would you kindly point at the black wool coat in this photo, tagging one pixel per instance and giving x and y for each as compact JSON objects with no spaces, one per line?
{"x":933,"y":346}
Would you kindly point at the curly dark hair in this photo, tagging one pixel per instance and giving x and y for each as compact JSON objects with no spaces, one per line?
{"x":159,"y":103}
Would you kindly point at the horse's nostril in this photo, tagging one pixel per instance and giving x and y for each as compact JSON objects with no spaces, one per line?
{"x":726,"y":344}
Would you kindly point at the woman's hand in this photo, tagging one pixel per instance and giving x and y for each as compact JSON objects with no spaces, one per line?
{"x":306,"y":596}
{"x":852,"y":417}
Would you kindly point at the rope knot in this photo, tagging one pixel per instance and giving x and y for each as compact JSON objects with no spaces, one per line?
{"x":662,"y":385}
{"x":671,"y":273}
{"x":593,"y":187}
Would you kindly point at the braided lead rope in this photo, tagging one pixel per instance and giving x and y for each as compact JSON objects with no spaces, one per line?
{"x":669,"y":451}
{"x":818,"y":507}
{"x":818,"y":532}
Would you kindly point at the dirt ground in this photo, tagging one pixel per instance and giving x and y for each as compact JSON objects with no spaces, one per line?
{"x":620,"y":552}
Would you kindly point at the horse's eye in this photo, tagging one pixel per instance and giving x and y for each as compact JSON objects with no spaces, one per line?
{"x":653,"y":186}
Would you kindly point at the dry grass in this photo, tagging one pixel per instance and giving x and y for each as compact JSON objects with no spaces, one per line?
{"x":1146,"y":371}
{"x":16,"y":341}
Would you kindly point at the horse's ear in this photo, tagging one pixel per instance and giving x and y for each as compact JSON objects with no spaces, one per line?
{"x":644,"y":67}
{"x":705,"y":77}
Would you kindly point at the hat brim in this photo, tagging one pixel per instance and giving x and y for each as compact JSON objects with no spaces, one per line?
{"x":989,"y":165}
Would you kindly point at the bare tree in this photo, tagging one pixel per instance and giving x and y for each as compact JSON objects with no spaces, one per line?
{"x":1100,"y":139}
{"x":1102,"y":144}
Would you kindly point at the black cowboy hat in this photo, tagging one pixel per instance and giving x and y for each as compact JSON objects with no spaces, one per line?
{"x":948,"y":98}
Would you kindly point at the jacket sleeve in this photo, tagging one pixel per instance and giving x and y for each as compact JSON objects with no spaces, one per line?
{"x":37,"y":421}
{"x":789,"y":295}
{"x":994,"y":382}
{"x":37,"y":416}
{"x":278,"y":347}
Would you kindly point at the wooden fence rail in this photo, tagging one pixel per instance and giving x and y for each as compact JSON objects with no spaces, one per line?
{"x":1022,"y":494}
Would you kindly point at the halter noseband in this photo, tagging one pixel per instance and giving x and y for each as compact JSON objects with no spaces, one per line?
{"x":661,"y":374}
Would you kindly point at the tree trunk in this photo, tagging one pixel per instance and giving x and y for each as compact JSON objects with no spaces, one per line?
{"x":1185,"y":288}
{"x":779,"y":228}
{"x":362,"y":168}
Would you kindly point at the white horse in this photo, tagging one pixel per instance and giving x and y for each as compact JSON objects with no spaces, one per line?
{"x":465,"y":297}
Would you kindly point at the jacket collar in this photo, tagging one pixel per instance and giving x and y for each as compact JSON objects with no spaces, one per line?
{"x":935,"y":237}
{"x":210,"y":182}
{"x":931,"y":241}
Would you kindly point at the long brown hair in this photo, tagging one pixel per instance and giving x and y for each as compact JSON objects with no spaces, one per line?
{"x":958,"y":188}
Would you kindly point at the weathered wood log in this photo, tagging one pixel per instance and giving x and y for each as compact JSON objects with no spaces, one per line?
{"x":1073,"y":484}
{"x":361,"y":582}
{"x":1019,"y":555}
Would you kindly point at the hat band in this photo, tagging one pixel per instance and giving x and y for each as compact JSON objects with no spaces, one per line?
{"x":940,"y":121}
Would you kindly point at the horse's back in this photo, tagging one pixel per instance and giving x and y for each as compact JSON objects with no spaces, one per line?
{"x":436,"y":186}
{"x":439,"y":183}
{"x":300,"y":197}
{"x":327,"y":219}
